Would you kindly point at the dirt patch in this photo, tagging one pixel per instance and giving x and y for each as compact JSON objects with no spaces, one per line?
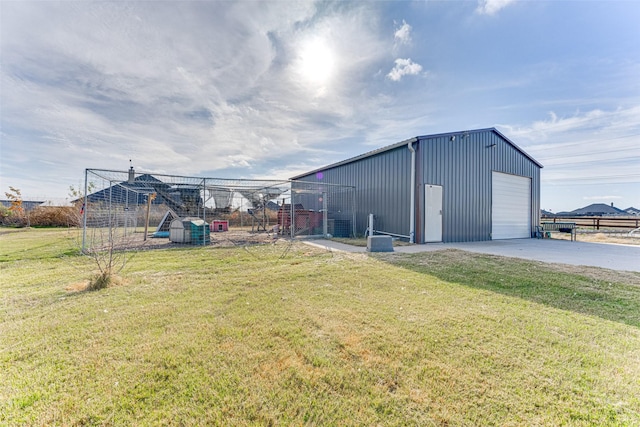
{"x":78,"y":286}
{"x":242,"y":238}
{"x":223,"y":239}
{"x":84,"y":285}
{"x":610,"y":237}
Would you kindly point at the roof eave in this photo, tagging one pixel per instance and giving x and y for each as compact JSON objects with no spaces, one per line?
{"x":360,"y":157}
{"x":415,"y":139}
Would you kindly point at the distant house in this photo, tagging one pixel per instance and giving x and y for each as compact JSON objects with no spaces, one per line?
{"x":595,"y":209}
{"x":183,"y":199}
{"x":632,"y":211}
{"x":27,"y":205}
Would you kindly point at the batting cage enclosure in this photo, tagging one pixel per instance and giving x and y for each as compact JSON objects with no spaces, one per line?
{"x":126,"y":209}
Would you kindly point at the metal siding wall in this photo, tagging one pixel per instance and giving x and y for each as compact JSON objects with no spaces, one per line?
{"x":463,"y":167}
{"x":382,"y":188}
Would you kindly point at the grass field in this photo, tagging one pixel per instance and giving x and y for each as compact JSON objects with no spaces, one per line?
{"x":291,"y":335}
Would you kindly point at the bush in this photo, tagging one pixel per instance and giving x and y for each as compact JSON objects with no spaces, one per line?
{"x":99,"y":281}
{"x":55,"y":216}
{"x":13,"y":219}
{"x":4,"y":214}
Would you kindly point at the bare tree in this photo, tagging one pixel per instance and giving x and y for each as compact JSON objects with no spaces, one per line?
{"x":105,"y":243}
{"x":110,"y":249}
{"x":109,"y":260}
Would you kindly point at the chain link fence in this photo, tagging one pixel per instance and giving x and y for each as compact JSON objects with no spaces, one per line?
{"x":125,"y":209}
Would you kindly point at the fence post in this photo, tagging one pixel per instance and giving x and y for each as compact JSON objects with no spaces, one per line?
{"x":85,"y":206}
{"x":325,"y":216}
{"x":353,"y":212}
{"x":150,"y":198}
{"x":293,"y":220}
{"x":204,"y":199}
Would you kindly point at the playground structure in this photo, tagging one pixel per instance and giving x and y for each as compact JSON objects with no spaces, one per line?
{"x":126,"y":208}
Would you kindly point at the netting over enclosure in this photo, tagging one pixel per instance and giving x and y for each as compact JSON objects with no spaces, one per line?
{"x":125,"y":208}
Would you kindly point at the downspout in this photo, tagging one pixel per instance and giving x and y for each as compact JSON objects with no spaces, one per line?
{"x":412,"y":209}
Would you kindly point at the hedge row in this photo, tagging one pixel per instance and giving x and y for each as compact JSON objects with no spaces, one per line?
{"x":43,"y":216}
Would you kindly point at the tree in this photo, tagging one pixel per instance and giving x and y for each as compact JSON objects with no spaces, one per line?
{"x":108,"y":259}
{"x":17,"y":215}
{"x":104,"y":243}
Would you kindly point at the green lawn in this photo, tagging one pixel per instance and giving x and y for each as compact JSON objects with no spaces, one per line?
{"x":292,"y":335}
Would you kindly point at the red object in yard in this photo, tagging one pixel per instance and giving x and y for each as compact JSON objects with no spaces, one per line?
{"x":218,"y":226}
{"x":306,"y":222}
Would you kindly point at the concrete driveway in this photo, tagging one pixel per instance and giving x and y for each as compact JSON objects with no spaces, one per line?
{"x":612,"y":256}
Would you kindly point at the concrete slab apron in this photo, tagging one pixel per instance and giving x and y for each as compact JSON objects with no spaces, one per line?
{"x":612,"y":256}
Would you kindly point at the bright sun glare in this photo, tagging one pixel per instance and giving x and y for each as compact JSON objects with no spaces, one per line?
{"x":316,"y":62}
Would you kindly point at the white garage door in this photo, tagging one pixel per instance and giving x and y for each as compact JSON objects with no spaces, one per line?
{"x":510,"y":206}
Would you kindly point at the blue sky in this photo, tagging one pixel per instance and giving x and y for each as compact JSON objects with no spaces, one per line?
{"x":273,"y":89}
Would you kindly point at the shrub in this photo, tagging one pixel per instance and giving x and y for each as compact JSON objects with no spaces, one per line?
{"x":99,"y":281}
{"x":55,"y":216}
{"x":4,"y":214}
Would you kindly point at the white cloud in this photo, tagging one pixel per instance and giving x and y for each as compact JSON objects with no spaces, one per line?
{"x":491,"y":7}
{"x":185,"y":88}
{"x":597,"y":148}
{"x":403,"y":33}
{"x":594,"y":125}
{"x":404,"y":67}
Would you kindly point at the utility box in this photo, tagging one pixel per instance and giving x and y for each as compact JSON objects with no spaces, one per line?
{"x":379,"y":244}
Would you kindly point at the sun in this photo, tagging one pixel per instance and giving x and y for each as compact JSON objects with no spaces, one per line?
{"x":316,"y":62}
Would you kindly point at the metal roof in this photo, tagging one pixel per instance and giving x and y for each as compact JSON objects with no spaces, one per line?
{"x":415,"y":139}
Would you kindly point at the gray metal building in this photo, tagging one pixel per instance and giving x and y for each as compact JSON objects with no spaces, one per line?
{"x":452,"y":187}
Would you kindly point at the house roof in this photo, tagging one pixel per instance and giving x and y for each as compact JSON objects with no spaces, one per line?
{"x":26,"y":204}
{"x":597,"y":209}
{"x":415,"y":139}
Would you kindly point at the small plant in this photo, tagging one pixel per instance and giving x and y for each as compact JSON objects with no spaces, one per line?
{"x":99,"y":281}
{"x":104,"y":245}
{"x":107,"y":250}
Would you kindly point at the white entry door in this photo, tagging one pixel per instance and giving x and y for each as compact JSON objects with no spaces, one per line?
{"x":510,"y":206}
{"x":433,"y":213}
